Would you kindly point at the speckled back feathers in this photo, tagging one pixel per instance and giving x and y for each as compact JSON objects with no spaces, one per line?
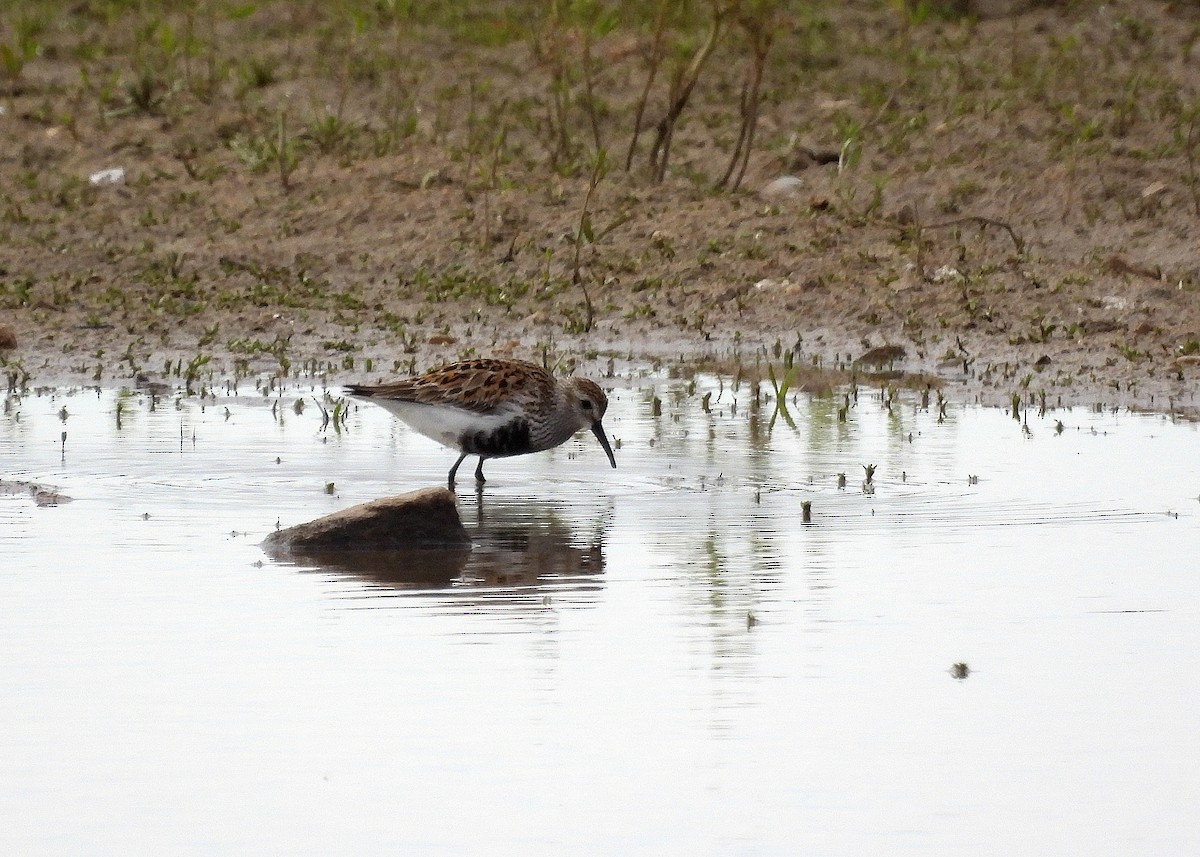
{"x":480,"y":385}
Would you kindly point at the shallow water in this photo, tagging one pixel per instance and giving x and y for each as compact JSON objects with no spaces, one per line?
{"x":660,"y":659}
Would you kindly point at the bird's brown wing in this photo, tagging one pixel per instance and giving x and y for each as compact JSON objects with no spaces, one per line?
{"x":476,"y":385}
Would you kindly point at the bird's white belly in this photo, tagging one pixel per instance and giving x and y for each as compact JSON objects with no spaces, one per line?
{"x":442,"y":423}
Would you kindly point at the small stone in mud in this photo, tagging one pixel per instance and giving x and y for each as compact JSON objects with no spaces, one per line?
{"x":8,"y":338}
{"x":784,"y":186}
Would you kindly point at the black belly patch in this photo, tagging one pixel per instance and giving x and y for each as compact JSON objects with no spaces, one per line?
{"x":512,"y":438}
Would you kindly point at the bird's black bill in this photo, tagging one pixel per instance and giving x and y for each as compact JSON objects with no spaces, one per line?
{"x":598,"y":431}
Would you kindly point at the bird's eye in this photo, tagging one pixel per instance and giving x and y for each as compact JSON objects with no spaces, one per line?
{"x":586,"y":404}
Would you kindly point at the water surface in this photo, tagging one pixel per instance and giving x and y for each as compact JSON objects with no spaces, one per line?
{"x":660,"y":659}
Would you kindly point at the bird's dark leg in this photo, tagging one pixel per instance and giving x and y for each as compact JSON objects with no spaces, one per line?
{"x":479,"y":472}
{"x":454,"y":470}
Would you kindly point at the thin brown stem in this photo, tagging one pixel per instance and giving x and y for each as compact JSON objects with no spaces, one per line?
{"x":741,"y":140}
{"x":656,"y":55}
{"x":752,"y":119}
{"x":584,"y":235}
{"x":1190,"y":149}
{"x":761,"y":34}
{"x":681,"y":92}
{"x":589,"y":89}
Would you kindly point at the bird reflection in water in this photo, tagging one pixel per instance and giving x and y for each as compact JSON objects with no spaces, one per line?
{"x":513,"y":544}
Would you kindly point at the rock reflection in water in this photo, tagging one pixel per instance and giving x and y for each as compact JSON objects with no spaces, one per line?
{"x":512,"y":545}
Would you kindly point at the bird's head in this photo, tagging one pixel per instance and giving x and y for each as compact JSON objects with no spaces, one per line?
{"x":588,"y":403}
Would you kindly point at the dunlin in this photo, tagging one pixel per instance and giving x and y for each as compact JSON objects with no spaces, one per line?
{"x":493,"y":408}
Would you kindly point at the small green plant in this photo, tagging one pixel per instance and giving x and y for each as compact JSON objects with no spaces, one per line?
{"x":848,"y":132}
{"x":256,"y":73}
{"x":1130,"y":352}
{"x":337,"y":418}
{"x":210,"y":335}
{"x":286,"y":153}
{"x":278,"y":151}
{"x":193,"y":370}
{"x":330,"y":133}
{"x":145,"y":92}
{"x":781,"y":387}
{"x":23,"y":47}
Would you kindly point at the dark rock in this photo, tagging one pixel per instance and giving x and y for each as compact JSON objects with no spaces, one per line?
{"x":882,"y":355}
{"x":980,"y":8}
{"x":419,"y":519}
{"x":805,"y":157}
{"x":8,"y":339}
{"x":1121,"y":266}
{"x":1101,"y":325}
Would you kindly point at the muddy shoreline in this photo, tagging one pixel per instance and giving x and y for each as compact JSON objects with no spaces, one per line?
{"x":1008,"y":207}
